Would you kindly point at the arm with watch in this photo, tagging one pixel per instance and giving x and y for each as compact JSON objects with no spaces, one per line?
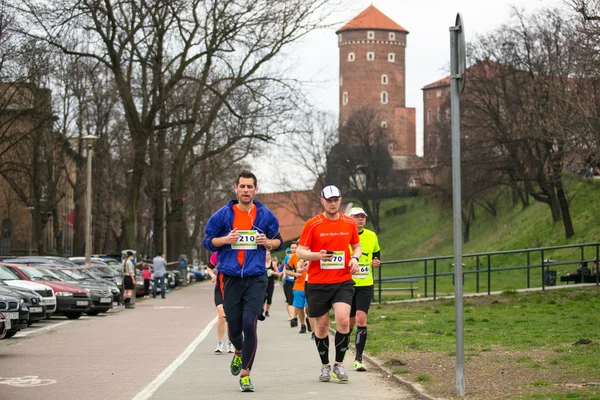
{"x":304,"y":253}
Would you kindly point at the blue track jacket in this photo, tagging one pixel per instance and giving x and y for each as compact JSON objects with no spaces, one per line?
{"x":221,"y":223}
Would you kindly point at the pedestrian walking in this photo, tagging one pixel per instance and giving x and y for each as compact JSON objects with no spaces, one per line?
{"x":159,"y":264}
{"x":147,"y":275}
{"x":241,"y":232}
{"x":128,"y":280}
{"x":330,"y":242}
{"x":363,"y":284}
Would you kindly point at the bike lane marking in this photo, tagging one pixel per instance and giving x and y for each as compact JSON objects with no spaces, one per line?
{"x":153,"y":386}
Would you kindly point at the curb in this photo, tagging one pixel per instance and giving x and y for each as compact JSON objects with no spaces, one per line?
{"x":415,"y":388}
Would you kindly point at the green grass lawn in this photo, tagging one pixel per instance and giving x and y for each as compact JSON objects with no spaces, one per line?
{"x":531,"y":331}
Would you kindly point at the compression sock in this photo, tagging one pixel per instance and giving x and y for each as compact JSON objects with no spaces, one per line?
{"x":360,"y":341}
{"x":323,"y":348}
{"x":341,"y":346}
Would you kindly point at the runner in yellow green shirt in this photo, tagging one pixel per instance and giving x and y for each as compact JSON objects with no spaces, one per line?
{"x":363,"y":284}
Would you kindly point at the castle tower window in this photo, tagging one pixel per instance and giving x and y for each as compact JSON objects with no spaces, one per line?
{"x":384,"y":98}
{"x":340,"y":38}
{"x":384,"y":79}
{"x":438,"y":93}
{"x":341,"y":81}
{"x":345,"y":98}
{"x":383,"y":124}
{"x":370,"y":56}
{"x":351,"y":57}
{"x":392,"y":36}
{"x":428,"y":95}
{"x":392,"y":57}
{"x":438,"y":117}
{"x":370,"y":35}
{"x":429,"y":116}
{"x":391,"y":147}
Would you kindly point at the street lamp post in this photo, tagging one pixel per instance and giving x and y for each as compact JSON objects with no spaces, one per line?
{"x":164,"y":224}
{"x":89,"y":141}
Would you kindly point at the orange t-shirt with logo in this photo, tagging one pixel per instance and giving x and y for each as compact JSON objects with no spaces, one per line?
{"x":242,"y":221}
{"x":299,"y":281}
{"x":320,"y":233}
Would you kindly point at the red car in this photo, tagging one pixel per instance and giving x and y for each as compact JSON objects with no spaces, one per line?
{"x":71,"y":300}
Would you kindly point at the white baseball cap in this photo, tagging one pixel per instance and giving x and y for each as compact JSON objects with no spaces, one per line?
{"x":330,"y":191}
{"x":357,"y":210}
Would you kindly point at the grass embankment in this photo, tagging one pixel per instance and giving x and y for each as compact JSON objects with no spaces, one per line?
{"x":516,"y":345}
{"x":426,"y":231}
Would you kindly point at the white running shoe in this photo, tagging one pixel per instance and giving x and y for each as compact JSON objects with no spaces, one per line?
{"x":220,"y":348}
{"x":230,"y":348}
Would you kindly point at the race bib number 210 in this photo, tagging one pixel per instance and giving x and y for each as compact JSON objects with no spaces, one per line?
{"x":247,"y":241}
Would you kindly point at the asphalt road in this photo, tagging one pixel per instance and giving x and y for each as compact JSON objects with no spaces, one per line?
{"x":164,"y":349}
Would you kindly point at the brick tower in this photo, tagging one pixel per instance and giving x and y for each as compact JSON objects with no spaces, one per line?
{"x":372,"y":74}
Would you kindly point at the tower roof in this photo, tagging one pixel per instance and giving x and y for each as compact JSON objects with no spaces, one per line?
{"x":372,"y":18}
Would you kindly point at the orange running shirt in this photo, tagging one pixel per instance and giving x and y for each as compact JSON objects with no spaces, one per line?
{"x":242,"y":221}
{"x":299,"y":281}
{"x":320,"y":233}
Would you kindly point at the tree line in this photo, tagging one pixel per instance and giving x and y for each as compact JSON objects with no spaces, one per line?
{"x":530,"y":113}
{"x":178,"y":92}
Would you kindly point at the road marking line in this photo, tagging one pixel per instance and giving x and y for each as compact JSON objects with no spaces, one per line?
{"x":153,"y":386}
{"x":35,"y":330}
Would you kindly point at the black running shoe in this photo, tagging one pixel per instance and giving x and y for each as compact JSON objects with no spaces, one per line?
{"x":294,"y":322}
{"x":302,"y":329}
{"x":308,"y":325}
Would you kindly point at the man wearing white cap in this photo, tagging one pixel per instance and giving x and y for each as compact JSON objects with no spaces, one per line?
{"x":363,"y":283}
{"x":330,"y":242}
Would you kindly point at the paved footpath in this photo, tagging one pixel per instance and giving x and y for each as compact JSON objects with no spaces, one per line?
{"x":164,"y":349}
{"x":286,"y":367}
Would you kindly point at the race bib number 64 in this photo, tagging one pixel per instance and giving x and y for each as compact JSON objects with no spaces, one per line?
{"x":247,"y":241}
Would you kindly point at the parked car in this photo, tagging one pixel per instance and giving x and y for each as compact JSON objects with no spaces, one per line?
{"x":93,"y":276}
{"x":71,"y":300}
{"x":100,"y":293}
{"x":33,"y":301}
{"x":12,"y":278}
{"x":4,"y":325}
{"x":15,"y":310}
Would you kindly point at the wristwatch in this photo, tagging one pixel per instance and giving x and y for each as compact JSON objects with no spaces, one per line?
{"x":357,"y":258}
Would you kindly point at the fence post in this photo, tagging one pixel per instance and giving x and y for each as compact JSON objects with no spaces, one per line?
{"x":477,"y":274}
{"x":379,"y":273}
{"x":528,"y":269}
{"x":543,"y":280}
{"x":489,"y":273}
{"x":435,"y":278}
{"x":425,"y":278}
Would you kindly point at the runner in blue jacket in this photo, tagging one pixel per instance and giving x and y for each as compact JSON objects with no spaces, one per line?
{"x":240,"y":233}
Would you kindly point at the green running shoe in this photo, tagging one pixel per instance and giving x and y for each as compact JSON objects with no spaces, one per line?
{"x":246,"y":385}
{"x":359,"y":366}
{"x":236,"y":365}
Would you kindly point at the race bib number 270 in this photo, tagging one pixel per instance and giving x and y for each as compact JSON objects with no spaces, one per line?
{"x":337,"y":261}
{"x":247,"y":241}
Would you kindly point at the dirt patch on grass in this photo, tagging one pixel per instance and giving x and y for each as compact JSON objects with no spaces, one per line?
{"x":490,"y":374}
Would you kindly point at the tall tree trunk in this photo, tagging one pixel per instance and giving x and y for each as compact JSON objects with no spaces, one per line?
{"x":563,"y":201}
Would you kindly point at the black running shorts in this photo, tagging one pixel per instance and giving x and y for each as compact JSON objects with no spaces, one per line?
{"x":362,"y":299}
{"x":288,"y":290}
{"x":322,"y":296}
{"x":218,"y":296}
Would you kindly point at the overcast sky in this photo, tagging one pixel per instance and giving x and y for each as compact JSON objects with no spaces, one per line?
{"x":315,"y":59}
